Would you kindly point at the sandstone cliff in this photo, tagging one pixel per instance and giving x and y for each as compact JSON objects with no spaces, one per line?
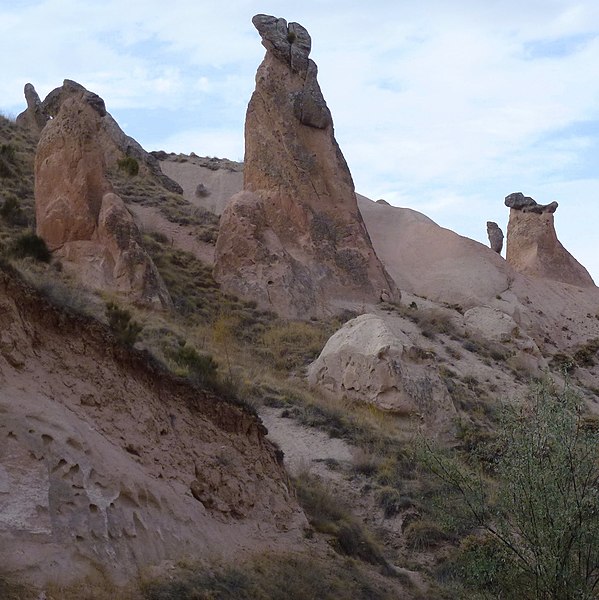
{"x":77,"y":213}
{"x":294,"y":239}
{"x":108,"y":464}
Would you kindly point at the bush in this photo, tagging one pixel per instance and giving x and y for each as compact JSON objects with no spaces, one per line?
{"x":12,"y":212}
{"x":545,"y":514}
{"x":129,"y":165}
{"x":29,"y":244}
{"x":125,"y":329}
{"x":201,"y":368}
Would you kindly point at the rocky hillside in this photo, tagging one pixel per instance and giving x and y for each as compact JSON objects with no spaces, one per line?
{"x":169,"y":300}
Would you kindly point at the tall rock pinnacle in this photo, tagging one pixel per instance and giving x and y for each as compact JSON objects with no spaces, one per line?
{"x":294,"y":239}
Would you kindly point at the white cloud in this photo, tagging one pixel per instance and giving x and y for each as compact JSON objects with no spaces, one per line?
{"x":442,"y":106}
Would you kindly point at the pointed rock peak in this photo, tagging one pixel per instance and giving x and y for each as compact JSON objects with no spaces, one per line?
{"x":33,"y":117}
{"x":532,"y":244}
{"x":495,"y":236}
{"x":289,"y":43}
{"x":294,"y":239}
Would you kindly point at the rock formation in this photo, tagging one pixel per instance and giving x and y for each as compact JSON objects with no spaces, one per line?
{"x":495,"y":236}
{"x":77,"y":213}
{"x":33,"y":117}
{"x":115,"y":143}
{"x":367,"y":361}
{"x":533,"y":247}
{"x":293,"y":239}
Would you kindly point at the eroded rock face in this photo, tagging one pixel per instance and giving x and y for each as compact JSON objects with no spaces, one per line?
{"x":533,"y":247}
{"x":495,"y":236}
{"x":80,"y":217}
{"x":114,"y":142}
{"x":294,"y":239}
{"x":33,"y":117}
{"x":369,"y":362}
{"x":108,"y":465}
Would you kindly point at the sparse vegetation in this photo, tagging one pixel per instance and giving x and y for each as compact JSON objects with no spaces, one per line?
{"x":30,"y":245}
{"x":129,"y":165}
{"x":124,"y":327}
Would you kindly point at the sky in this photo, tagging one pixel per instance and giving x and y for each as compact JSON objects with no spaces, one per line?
{"x":441,"y":106}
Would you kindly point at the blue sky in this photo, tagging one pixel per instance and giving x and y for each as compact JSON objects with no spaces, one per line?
{"x":444,"y":107}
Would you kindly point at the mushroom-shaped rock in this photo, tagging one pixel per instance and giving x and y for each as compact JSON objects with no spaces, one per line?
{"x":294,"y":240}
{"x":532,"y":244}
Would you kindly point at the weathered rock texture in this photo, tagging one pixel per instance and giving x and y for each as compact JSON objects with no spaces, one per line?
{"x":77,"y":212}
{"x":533,"y":247}
{"x":109,"y":465}
{"x":495,"y":236}
{"x":33,"y":117}
{"x":294,"y":239}
{"x":113,"y":140}
{"x":368,"y":361}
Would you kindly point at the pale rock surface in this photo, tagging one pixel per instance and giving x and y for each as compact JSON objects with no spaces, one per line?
{"x":108,"y":465}
{"x":83,"y":222}
{"x":428,"y":260}
{"x":294,"y":240}
{"x":532,"y":245}
{"x":370,"y":360}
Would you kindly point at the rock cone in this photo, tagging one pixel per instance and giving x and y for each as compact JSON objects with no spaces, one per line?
{"x":294,"y":239}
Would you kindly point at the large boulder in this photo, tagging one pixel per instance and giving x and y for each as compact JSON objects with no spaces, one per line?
{"x":294,"y":239}
{"x":77,"y":213}
{"x":368,"y":360}
{"x":533,"y":247}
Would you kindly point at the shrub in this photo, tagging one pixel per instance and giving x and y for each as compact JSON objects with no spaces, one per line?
{"x":545,"y":514}
{"x":125,"y":329}
{"x":129,"y":165}
{"x":202,"y":368}
{"x":29,"y":244}
{"x":12,"y":212}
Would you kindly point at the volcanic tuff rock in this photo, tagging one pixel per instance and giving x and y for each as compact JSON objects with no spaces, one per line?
{"x":108,"y":464}
{"x":369,"y":360}
{"x":77,"y":213}
{"x":495,"y":236}
{"x":115,"y":143}
{"x":294,"y":239}
{"x":33,"y":117}
{"x":532,"y":244}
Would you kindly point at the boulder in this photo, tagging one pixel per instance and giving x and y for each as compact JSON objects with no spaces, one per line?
{"x":533,"y":247}
{"x":77,"y":213}
{"x":495,"y":236}
{"x":294,"y":240}
{"x":369,"y":361}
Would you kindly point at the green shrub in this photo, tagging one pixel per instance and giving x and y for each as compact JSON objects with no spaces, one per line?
{"x":201,"y":368}
{"x":129,"y":165}
{"x":125,"y":329}
{"x":30,"y":245}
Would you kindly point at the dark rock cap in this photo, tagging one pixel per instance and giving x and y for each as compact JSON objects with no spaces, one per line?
{"x":518,"y":201}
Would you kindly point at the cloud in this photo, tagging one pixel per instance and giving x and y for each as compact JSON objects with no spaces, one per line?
{"x":443,"y":107}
